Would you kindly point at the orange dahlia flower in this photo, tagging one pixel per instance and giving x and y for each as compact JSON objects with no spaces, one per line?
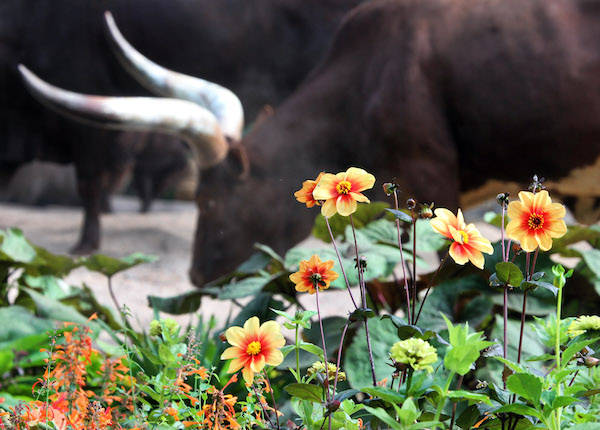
{"x":253,"y":346}
{"x":535,"y":220}
{"x":342,"y":191}
{"x":468,"y":244}
{"x":305,"y":194}
{"x":314,"y":272}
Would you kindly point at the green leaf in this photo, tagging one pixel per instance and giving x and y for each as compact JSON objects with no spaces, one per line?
{"x":509,"y":273}
{"x":384,"y":417}
{"x":18,"y":323}
{"x":387,"y":395}
{"x":573,"y":349}
{"x":468,"y":395}
{"x":6,"y":361}
{"x":109,"y":266}
{"x":525,"y":385}
{"x":464,"y":348}
{"x":519,"y":408}
{"x":15,"y":247}
{"x":312,"y":393}
{"x":401,"y":215}
{"x":268,"y":251}
{"x":246,"y":287}
{"x":166,"y":355}
{"x":534,"y":284}
{"x":408,"y":413}
{"x":55,"y":310}
{"x":562,"y":401}
{"x":311,"y":348}
{"x":185,"y":303}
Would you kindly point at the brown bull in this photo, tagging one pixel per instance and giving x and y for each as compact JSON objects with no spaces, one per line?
{"x":440,"y":94}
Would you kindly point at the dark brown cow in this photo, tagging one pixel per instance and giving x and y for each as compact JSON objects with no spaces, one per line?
{"x":262,"y":49}
{"x":440,"y":94}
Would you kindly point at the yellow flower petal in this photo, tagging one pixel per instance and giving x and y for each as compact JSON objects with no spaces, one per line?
{"x":541,"y":200}
{"x":231,"y":352}
{"x":556,"y":210}
{"x":345,"y":205}
{"x":275,"y":358}
{"x":461,"y":220}
{"x":258,"y":363}
{"x":529,"y":243}
{"x":248,"y":375}
{"x":458,"y":254}
{"x":328,"y":208}
{"x":325,"y":189}
{"x":476,"y":258}
{"x":252,"y":326}
{"x":515,"y":210}
{"x":544,"y":240}
{"x":235,"y":335}
{"x":360,"y":179}
{"x":557,"y":229}
{"x":527,"y":199}
{"x":235,"y":365}
{"x":359,"y":197}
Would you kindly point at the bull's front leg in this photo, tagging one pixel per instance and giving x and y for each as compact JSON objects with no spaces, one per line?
{"x":91,"y":193}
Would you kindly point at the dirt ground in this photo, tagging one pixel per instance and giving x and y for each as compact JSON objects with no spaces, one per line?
{"x":167,"y":232}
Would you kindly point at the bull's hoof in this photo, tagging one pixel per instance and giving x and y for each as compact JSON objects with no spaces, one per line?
{"x":83,"y":249}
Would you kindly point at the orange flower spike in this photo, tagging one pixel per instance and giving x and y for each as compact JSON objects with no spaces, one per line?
{"x":314,"y":271}
{"x":253,"y":347}
{"x":468,"y":244}
{"x":341,"y":192}
{"x":305,"y":194}
{"x":535,"y":220}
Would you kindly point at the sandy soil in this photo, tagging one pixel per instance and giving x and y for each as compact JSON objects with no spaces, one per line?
{"x":166,"y":232}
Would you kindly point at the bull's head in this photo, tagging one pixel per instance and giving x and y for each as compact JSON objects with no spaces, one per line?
{"x":236,"y":206}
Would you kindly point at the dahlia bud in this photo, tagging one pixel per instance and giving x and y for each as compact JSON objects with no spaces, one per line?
{"x":426,"y":211}
{"x":411,"y":204}
{"x":389,"y":188}
{"x":502,"y":199}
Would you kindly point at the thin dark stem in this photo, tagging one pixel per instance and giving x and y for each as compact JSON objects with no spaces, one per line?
{"x":364,"y":302}
{"x":273,"y":399}
{"x":326,"y":382}
{"x":429,"y":288}
{"x":414,"y":265}
{"x":502,"y":241}
{"x":112,"y":294}
{"x":534,"y":262}
{"x":573,"y":379}
{"x":522,"y":325}
{"x":458,"y":385}
{"x":339,"y":358}
{"x":527,"y":258}
{"x":505,"y":345}
{"x":392,"y":384}
{"x":262,"y":406}
{"x":337,"y":252}
{"x":402,"y":259}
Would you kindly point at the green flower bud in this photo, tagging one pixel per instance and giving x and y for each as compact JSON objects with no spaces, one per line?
{"x":319,"y":367}
{"x":169,"y":324}
{"x":584,"y":324}
{"x":416,"y":353}
{"x":155,"y":328}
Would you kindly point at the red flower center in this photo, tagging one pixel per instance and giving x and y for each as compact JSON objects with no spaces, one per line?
{"x":536,"y":221}
{"x":253,"y":348}
{"x":343,"y":187}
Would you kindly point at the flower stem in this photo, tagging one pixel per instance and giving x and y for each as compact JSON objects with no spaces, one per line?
{"x":458,"y":385}
{"x":364,"y":302}
{"x":522,"y":325}
{"x":273,"y":399}
{"x":402,"y":259}
{"x":337,"y":252}
{"x":505,"y":315}
{"x":297,"y":355}
{"x":429,"y":288}
{"x":504,"y":258}
{"x":409,"y":380}
{"x":414,"y":271}
{"x":442,"y":401}
{"x":557,"y":351}
{"x":326,"y":382}
{"x":339,"y":357}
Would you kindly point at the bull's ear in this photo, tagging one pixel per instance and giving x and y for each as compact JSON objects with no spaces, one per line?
{"x":238,"y":157}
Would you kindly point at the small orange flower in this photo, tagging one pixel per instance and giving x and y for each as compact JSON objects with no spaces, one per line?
{"x":305,"y":194}
{"x":535,"y":220}
{"x":468,"y":244}
{"x":254,"y":345}
{"x":341,"y":192}
{"x":314,"y":271}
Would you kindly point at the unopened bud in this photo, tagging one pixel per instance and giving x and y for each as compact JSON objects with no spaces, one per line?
{"x":389,"y":188}
{"x":333,"y":405}
{"x":516,"y":248}
{"x":426,"y":211}
{"x":222,"y":337}
{"x":502,"y":199}
{"x":591,"y":361}
{"x":411,"y":204}
{"x":362,"y":260}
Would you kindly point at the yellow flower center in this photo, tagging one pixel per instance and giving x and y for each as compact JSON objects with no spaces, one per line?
{"x":343,"y":187}
{"x":536,"y":221}
{"x":253,"y":348}
{"x":464,"y":236}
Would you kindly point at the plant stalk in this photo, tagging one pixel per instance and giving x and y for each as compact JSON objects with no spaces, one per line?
{"x":458,"y":385}
{"x":429,"y":287}
{"x":442,"y":401}
{"x":337,"y":252}
{"x":297,"y":355}
{"x":326,"y":383}
{"x":402,"y":259}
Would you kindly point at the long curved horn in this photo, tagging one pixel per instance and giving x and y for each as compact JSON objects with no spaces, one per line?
{"x":182,"y":118}
{"x":219,"y":100}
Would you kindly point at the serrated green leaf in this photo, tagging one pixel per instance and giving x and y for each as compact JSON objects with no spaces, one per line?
{"x":312,"y":393}
{"x":525,"y":385}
